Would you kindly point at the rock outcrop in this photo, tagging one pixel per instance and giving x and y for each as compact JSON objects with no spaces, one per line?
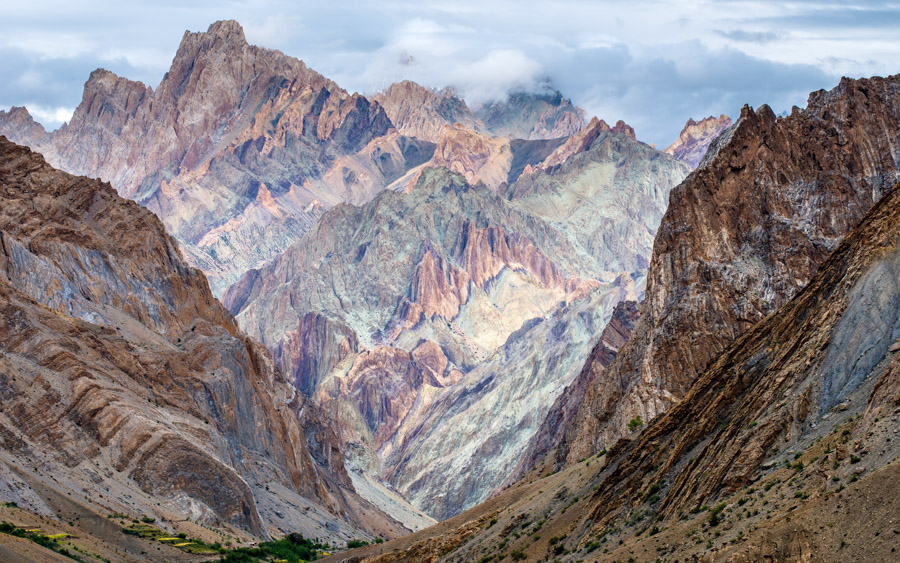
{"x":456,"y":449}
{"x":423,"y":113}
{"x":524,"y":115}
{"x":744,"y":233}
{"x":563,"y":411}
{"x":695,"y":138}
{"x":19,"y":127}
{"x":124,"y":380}
{"x":412,"y":265}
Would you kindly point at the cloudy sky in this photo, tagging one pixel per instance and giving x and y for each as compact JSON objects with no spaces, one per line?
{"x":653,"y":64}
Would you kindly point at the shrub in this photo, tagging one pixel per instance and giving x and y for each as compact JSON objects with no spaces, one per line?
{"x":714,"y":514}
{"x":518,"y":556}
{"x":635,"y":423}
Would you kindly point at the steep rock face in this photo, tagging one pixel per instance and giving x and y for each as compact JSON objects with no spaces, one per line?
{"x":695,"y":138}
{"x":532,"y":116}
{"x":605,"y":190}
{"x":423,"y":113}
{"x":831,"y":350}
{"x":492,"y":161}
{"x":236,"y":150}
{"x":479,"y":158}
{"x":380,"y":388}
{"x":313,"y":349}
{"x":563,"y":411}
{"x":741,"y":236}
{"x":121,"y":373}
{"x":380,"y":267}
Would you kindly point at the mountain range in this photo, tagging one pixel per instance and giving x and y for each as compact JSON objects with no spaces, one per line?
{"x":751,"y":414}
{"x":477,"y":333}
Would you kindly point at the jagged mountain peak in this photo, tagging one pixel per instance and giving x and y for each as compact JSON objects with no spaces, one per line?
{"x":422,"y":112}
{"x":20,"y":126}
{"x":696,"y":137}
{"x":223,"y":35}
{"x":227,"y":29}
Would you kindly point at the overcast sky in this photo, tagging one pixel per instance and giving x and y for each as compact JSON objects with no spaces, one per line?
{"x":653,"y":64}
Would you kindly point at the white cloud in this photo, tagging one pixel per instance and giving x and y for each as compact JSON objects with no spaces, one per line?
{"x":50,"y":117}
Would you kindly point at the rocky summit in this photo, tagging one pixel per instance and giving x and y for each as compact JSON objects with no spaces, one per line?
{"x":695,"y":138}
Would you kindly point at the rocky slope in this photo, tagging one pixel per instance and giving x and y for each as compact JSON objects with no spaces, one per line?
{"x":461,"y":272}
{"x":420,"y":112}
{"x":563,"y":411}
{"x":525,"y":115}
{"x":495,"y":162}
{"x":456,"y":448}
{"x":126,"y":386}
{"x":740,"y":237}
{"x":778,"y":452}
{"x":605,"y":190}
{"x":399,"y":268}
{"x":695,"y":138}
{"x":238,"y":149}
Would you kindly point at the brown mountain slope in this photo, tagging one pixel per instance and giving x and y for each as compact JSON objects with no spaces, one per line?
{"x":130,"y":387}
{"x":785,"y":445}
{"x":742,"y":234}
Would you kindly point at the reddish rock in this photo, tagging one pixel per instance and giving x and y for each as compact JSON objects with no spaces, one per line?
{"x":231,"y":149}
{"x":19,"y":127}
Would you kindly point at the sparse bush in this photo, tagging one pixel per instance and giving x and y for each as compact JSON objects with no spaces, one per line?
{"x":635,"y":423}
